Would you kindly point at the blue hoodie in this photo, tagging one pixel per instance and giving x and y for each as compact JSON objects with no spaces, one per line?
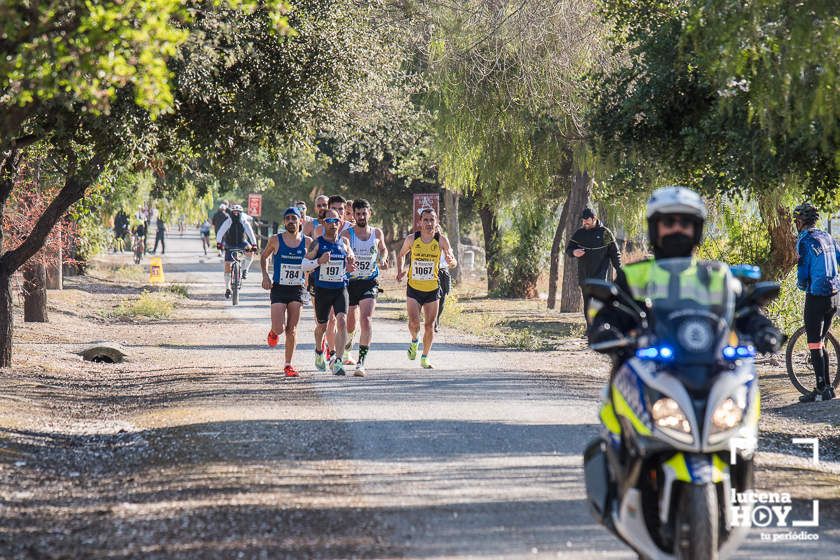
{"x":816,"y":272}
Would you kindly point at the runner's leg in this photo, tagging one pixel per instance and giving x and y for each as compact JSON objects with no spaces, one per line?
{"x":429,"y":313}
{"x":413,"y":309}
{"x":292,"y":318}
{"x":278,"y":318}
{"x":340,"y":330}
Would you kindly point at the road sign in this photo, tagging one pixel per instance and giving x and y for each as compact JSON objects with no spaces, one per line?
{"x":255,"y":205}
{"x":425,"y":200}
{"x":156,"y":270}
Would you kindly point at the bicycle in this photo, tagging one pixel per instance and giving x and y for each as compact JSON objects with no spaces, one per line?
{"x":798,"y":360}
{"x":235,"y":274}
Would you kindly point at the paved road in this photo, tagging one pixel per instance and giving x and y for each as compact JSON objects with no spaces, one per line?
{"x":479,"y":458}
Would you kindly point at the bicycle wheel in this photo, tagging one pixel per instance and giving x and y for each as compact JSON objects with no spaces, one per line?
{"x":235,"y":281}
{"x":798,"y":361}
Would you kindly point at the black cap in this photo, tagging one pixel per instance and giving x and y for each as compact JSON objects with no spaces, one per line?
{"x":587,"y":213}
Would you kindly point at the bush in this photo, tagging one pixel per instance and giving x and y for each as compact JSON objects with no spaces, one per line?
{"x":154,"y":306}
{"x":786,"y":310}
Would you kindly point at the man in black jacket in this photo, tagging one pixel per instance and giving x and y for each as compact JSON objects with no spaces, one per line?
{"x":595,"y":248}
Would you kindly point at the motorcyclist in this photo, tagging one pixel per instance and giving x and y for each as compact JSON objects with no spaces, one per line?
{"x":675,"y":217}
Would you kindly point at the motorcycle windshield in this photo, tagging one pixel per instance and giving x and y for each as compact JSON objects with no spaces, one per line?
{"x":691,"y":306}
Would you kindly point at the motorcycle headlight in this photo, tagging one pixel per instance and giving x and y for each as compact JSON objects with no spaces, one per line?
{"x":670,"y":418}
{"x":727,"y":415}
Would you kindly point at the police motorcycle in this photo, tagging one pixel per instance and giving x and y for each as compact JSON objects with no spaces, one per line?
{"x":682,"y":390}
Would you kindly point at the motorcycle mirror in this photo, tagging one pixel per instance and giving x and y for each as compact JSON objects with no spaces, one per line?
{"x":601,"y":290}
{"x":764,"y":292}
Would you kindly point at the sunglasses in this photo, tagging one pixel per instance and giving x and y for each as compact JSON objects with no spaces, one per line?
{"x":331,"y":221}
{"x":683,"y":221}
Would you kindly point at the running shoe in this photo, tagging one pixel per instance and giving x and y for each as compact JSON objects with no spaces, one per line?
{"x":412,"y":350}
{"x":360,"y":370}
{"x":272,"y":338}
{"x":320,"y":362}
{"x":348,"y":359}
{"x":290,"y":371}
{"x":227,"y":293}
{"x":349,"y":344}
{"x":425,"y":363}
{"x":337,"y":367}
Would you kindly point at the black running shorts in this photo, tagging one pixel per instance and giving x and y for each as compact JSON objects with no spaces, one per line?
{"x":327,"y":299}
{"x":422,"y":297}
{"x":357,"y":290}
{"x":286,"y":294}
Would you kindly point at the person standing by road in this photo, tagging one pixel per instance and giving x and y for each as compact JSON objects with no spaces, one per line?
{"x":160,"y":236}
{"x":287,"y":284}
{"x":368,"y":244}
{"x":424,"y":249}
{"x":595,"y":249}
{"x":818,"y":277}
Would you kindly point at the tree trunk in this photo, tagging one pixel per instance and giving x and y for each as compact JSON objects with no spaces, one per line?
{"x":35,"y":293}
{"x":570,"y":298}
{"x":6,"y":319}
{"x":55,"y":278}
{"x":782,"y":256}
{"x":556,"y":250}
{"x":492,"y":245}
{"x":453,"y":228}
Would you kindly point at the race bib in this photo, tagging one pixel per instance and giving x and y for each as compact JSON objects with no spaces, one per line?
{"x":423,"y":270}
{"x":364,"y":267}
{"x":332,"y":271}
{"x":290,"y":275}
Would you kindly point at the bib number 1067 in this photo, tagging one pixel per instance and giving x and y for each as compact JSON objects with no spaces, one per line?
{"x":423,"y":270}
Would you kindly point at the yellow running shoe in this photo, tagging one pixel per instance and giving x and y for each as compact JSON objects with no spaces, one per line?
{"x":425,"y":363}
{"x":412,"y":350}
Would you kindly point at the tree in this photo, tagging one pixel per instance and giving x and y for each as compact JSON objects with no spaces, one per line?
{"x":235,"y":84}
{"x":685,"y":111}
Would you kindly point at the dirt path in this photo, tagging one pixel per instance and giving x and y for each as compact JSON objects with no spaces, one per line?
{"x":197,"y":448}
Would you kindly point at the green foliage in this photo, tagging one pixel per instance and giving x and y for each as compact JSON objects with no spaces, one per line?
{"x":735,"y":233}
{"x":787,"y":310}
{"x":147,"y":304}
{"x":524,"y":251}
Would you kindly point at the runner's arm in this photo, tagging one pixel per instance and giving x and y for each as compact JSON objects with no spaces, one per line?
{"x":447,"y":252}
{"x":351,"y":257}
{"x":404,"y":250}
{"x":249,"y":232}
{"x":220,"y":233}
{"x":270,"y":249}
{"x":381,"y":248}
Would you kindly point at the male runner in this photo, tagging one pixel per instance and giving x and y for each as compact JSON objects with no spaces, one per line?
{"x":369,"y":248}
{"x":424,"y":248}
{"x":287,"y":250}
{"x":321,"y":207}
{"x":331,"y":258}
{"x":235,"y":233}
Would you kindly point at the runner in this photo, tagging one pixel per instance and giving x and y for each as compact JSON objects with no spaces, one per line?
{"x":287,"y":250}
{"x":424,"y":248}
{"x":368,"y":245}
{"x":349,"y":211}
{"x":334,"y":260}
{"x":322,"y":204}
{"x":234,"y":233}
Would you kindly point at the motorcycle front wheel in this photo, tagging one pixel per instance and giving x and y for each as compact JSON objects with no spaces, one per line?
{"x":697,"y":523}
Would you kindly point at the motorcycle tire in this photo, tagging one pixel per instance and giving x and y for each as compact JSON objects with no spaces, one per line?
{"x":697,"y":523}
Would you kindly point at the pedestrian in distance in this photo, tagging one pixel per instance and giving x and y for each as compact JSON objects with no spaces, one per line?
{"x":160,"y":236}
{"x":594,"y":247}
{"x":818,"y":277}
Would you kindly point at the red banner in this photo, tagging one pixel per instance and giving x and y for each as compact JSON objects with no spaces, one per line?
{"x":255,"y":205}
{"x":425,"y":200}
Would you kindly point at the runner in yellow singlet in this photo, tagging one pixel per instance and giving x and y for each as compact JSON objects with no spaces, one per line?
{"x":425,"y":248}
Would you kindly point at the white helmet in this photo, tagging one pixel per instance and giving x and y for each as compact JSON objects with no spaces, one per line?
{"x":236,"y":208}
{"x":676,"y":200}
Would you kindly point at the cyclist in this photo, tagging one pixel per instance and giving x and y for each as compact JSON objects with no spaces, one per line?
{"x":331,"y":258}
{"x":287,"y":250}
{"x":675,"y":217}
{"x":424,"y":248}
{"x":235,"y":233}
{"x":818,"y":277}
{"x":368,"y":245}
